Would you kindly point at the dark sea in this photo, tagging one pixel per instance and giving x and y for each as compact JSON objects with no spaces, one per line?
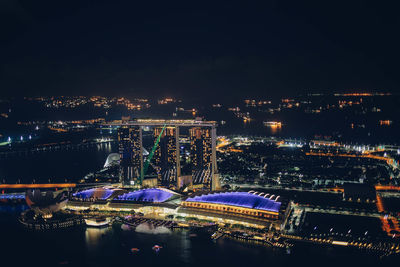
{"x":56,"y":165}
{"x":112,"y":247}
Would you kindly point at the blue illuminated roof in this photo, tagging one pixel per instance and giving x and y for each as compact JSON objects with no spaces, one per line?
{"x":240,"y":199}
{"x":12,"y":196}
{"x":99,"y":193}
{"x":147,"y":195}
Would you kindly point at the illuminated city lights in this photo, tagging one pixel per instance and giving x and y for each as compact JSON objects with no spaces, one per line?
{"x":162,"y":134}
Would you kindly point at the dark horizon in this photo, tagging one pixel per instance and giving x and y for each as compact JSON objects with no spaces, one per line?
{"x":193,"y":50}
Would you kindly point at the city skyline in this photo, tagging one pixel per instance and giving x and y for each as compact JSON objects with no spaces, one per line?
{"x":137,"y":178}
{"x":160,"y":133}
{"x":165,"y":155}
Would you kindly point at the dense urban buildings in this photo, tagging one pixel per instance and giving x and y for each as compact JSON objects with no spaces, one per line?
{"x":165,"y":155}
{"x":185,"y":134}
{"x":162,"y":175}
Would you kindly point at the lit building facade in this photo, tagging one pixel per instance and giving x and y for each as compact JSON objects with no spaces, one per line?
{"x":131,"y":153}
{"x":263,"y":207}
{"x":166,"y":159}
{"x":201,"y":155}
{"x":166,"y":156}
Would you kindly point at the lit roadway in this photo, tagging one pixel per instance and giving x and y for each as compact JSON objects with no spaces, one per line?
{"x":327,"y":190}
{"x":340,"y":212}
{"x":61,"y":185}
{"x":389,"y":161}
{"x":322,"y":190}
{"x":26,"y":186}
{"x":223,"y":142}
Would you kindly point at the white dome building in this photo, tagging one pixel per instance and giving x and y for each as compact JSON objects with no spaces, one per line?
{"x":112,"y":160}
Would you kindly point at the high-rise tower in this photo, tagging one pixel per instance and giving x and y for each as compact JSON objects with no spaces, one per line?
{"x":201,"y":155}
{"x":131,"y":154}
{"x":166,"y":156}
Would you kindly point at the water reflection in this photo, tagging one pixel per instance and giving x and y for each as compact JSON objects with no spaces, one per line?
{"x":93,"y":236}
{"x":151,"y":229}
{"x":273,"y":130}
{"x":69,"y":162}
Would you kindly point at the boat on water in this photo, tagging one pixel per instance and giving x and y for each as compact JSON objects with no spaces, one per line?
{"x":134,"y":250}
{"x":156,"y":247}
{"x":98,"y":222}
{"x":273,"y":124}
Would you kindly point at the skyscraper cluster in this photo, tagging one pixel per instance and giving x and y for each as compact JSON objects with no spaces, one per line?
{"x":166,"y":159}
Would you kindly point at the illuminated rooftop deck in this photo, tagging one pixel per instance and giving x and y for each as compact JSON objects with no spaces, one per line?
{"x":151,"y":122}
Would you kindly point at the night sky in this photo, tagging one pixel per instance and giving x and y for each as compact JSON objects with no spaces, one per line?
{"x":194,"y":48}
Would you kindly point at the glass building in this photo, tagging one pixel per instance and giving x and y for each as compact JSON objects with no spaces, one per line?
{"x":166,"y":156}
{"x":201,"y":155}
{"x":131,"y":154}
